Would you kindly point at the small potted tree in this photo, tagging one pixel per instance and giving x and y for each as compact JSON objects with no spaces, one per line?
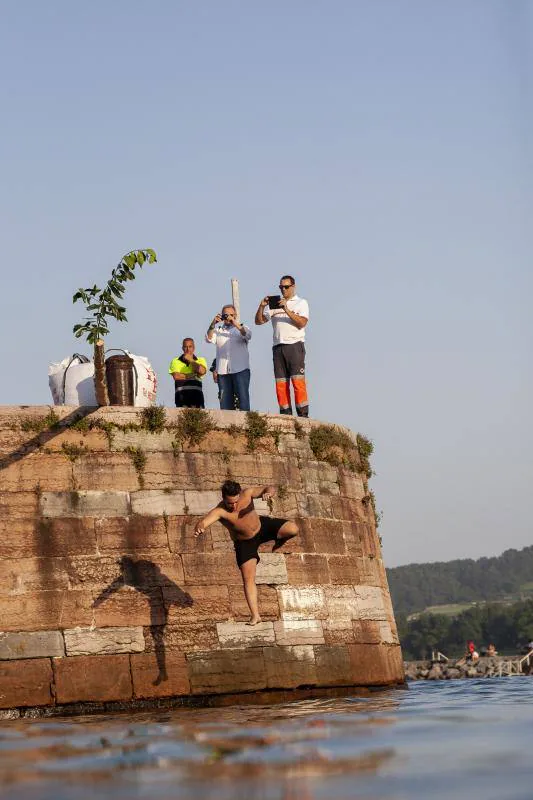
{"x":103,"y":305}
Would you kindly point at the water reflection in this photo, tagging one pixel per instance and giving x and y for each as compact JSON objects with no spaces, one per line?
{"x":437,"y":738}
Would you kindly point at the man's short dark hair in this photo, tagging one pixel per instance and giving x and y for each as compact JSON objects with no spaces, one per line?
{"x":231,"y":489}
{"x":288,"y":278}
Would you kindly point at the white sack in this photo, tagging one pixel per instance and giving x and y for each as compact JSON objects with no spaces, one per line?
{"x":72,"y":381}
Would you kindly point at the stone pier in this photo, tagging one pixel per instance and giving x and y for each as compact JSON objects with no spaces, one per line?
{"x":107,"y":597}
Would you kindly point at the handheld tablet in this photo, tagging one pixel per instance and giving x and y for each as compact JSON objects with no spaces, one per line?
{"x":273,"y":301}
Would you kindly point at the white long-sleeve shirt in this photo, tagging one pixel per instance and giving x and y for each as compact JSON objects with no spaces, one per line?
{"x":232,"y":348}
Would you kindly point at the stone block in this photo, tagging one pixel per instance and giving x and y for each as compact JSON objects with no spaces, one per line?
{"x":92,"y":440}
{"x":240,"y":634}
{"x":339,"y":631}
{"x":290,"y":667}
{"x":369,"y":571}
{"x":209,"y":604}
{"x":344,"y":569}
{"x":260,"y":469}
{"x":319,"y":478}
{"x":92,"y":572}
{"x":152,"y":571}
{"x":366,"y":631}
{"x":147,"y":441}
{"x":302,"y":602}
{"x":268,"y":603}
{"x":34,"y":644}
{"x":150,"y":681}
{"x":129,"y":534}
{"x":156,"y":503}
{"x":210,"y":568}
{"x":291,"y":445}
{"x":341,"y":602}
{"x":227,"y":671}
{"x":333,"y":666}
{"x":370,"y":603}
{"x":18,"y":506}
{"x":99,"y":471}
{"x":103,"y":641}
{"x":51,"y":473}
{"x":128,"y":606}
{"x":220,"y":539}
{"x":292,"y":632}
{"x":187,"y":471}
{"x":316,"y":505}
{"x":45,"y":610}
{"x":355,"y":536}
{"x":25,"y":683}
{"x":189,"y":637}
{"x":199,"y":503}
{"x":375,"y":664}
{"x":307,"y":568}
{"x":92,"y":678}
{"x":219,"y":441}
{"x":328,"y":535}
{"x":271,"y":569}
{"x":351,"y":484}
{"x":181,"y":536}
{"x":32,"y":574}
{"x":63,"y":536}
{"x":348,"y":509}
{"x":85,"y":504}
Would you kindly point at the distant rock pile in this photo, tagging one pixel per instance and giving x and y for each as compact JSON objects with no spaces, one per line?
{"x":490,"y":667}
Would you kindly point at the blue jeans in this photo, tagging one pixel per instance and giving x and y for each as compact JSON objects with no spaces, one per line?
{"x":235,"y":384}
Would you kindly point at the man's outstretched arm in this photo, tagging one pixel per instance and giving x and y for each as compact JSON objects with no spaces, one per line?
{"x":202,"y":525}
{"x":266,"y":492}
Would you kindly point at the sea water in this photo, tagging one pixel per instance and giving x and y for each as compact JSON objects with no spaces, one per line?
{"x":448,"y":739}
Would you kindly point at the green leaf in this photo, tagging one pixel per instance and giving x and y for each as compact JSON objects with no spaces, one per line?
{"x":140,"y":257}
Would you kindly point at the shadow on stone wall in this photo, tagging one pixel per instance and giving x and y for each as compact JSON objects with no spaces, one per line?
{"x":147,"y":578}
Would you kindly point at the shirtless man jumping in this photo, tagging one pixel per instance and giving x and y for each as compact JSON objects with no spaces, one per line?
{"x":248,"y":530}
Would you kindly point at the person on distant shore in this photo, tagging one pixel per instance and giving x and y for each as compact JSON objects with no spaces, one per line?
{"x":491,"y":649}
{"x":289,"y":320}
{"x":471,"y":652}
{"x":231,"y":338}
{"x":188,"y":371}
{"x":248,"y":530}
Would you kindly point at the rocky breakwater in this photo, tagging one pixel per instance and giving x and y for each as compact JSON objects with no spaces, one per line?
{"x":106,"y":596}
{"x":490,"y":667}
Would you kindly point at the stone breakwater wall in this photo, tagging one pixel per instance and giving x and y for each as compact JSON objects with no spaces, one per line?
{"x":106,"y":596}
{"x":485,"y":667}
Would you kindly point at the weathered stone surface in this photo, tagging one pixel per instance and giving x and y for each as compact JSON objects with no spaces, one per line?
{"x":351,"y":484}
{"x":25,"y":683}
{"x":333,"y":666}
{"x":181,"y":536}
{"x":99,"y":471}
{"x":328,"y":535}
{"x":128,"y":534}
{"x":129,"y":606}
{"x":375,"y":665}
{"x":210,"y":568}
{"x":150,"y":681}
{"x":342,"y":602}
{"x":271,"y":569}
{"x":240,"y":634}
{"x":17,"y":506}
{"x":219,"y":442}
{"x":32,"y":574}
{"x":307,"y":602}
{"x":147,"y":441}
{"x":220,"y":538}
{"x":338,"y":631}
{"x":49,"y":473}
{"x":209,"y":604}
{"x":92,"y":678}
{"x":227,"y":671}
{"x":45,"y":610}
{"x":268,"y":603}
{"x":370,"y":602}
{"x":35,"y":644}
{"x":289,"y":667}
{"x":307,"y":568}
{"x":157,"y":503}
{"x":292,"y":632}
{"x":85,"y":503}
{"x":346,"y":508}
{"x":369,"y":571}
{"x":367,"y":631}
{"x":355,"y":536}
{"x":102,"y":641}
{"x":319,"y":478}
{"x":199,"y":503}
{"x":259,"y":469}
{"x":187,"y":638}
{"x":316,"y":505}
{"x":62,"y":536}
{"x":138,"y":570}
{"x":344,"y":569}
{"x":92,"y":440}
{"x":189,"y":471}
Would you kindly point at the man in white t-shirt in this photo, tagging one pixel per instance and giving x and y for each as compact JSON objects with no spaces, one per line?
{"x":231,"y":338}
{"x":288,"y":325}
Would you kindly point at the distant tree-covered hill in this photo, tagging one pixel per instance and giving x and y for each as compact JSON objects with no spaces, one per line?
{"x":416,"y":587}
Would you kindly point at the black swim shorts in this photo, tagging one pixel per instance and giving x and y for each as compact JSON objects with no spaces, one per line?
{"x":246,"y":549}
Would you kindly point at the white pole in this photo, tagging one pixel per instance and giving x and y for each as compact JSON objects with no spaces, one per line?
{"x":235,"y":297}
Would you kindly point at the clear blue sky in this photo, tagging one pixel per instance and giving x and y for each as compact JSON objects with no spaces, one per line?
{"x":379,"y":151}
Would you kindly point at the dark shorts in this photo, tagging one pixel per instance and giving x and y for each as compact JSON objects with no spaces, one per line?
{"x":246,"y":549}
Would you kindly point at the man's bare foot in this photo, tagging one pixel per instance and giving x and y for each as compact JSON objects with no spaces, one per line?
{"x":279,"y":542}
{"x":254,"y":621}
